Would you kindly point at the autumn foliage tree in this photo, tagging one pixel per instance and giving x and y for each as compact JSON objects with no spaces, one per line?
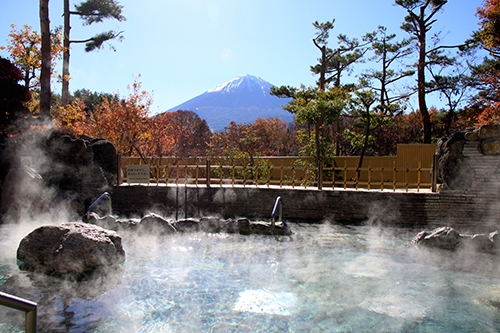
{"x":276,"y":137}
{"x":489,"y":20}
{"x":179,"y":134}
{"x":244,"y":142}
{"x":123,"y":122}
{"x":485,"y":108}
{"x":24,"y":47}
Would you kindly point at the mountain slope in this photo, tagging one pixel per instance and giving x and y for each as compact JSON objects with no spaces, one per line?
{"x":242,"y":99}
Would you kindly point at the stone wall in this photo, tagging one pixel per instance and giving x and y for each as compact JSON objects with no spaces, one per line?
{"x":399,"y":209}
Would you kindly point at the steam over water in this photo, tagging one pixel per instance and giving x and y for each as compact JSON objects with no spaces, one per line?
{"x":322,"y":279}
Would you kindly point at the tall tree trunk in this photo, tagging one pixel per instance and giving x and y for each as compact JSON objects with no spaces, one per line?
{"x":365,"y":143}
{"x":422,"y":106}
{"x":66,"y":44}
{"x":317,"y":125}
{"x":45,"y":92}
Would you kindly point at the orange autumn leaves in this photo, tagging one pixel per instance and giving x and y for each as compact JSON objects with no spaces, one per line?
{"x":487,"y":104}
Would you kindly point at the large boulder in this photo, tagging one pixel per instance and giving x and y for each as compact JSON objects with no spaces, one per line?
{"x":71,"y":250}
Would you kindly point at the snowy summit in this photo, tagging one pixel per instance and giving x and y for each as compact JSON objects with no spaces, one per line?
{"x":249,"y":82}
{"x":242,"y":100}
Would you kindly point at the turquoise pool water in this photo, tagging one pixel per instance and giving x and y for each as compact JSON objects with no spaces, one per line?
{"x":322,"y":279}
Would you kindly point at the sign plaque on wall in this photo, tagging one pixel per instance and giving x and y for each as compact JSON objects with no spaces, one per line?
{"x":138,"y":174}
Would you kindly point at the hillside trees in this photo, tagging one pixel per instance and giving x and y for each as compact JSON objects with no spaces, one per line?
{"x":90,"y":11}
{"x":276,"y":137}
{"x":265,"y":137}
{"x":180,"y":134}
{"x":124,"y":122}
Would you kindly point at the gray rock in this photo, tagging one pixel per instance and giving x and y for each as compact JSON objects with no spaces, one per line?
{"x":211,"y":224}
{"x":490,"y":146}
{"x":489,"y":131}
{"x":188,"y":225}
{"x":155,"y":224}
{"x":105,"y":156}
{"x":483,"y":243}
{"x":106,"y":222}
{"x":443,"y":238}
{"x":245,"y":227}
{"x":453,"y":169}
{"x":71,"y":250}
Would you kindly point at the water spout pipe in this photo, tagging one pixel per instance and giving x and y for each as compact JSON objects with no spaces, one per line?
{"x":276,"y":210}
{"x":92,"y":206}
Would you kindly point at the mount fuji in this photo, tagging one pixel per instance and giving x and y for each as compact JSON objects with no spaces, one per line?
{"x":242,"y":100}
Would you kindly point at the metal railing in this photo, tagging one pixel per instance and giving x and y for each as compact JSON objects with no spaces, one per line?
{"x":21,"y":304}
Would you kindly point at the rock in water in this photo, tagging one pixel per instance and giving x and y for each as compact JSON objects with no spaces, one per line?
{"x":71,"y":250}
{"x":444,"y":238}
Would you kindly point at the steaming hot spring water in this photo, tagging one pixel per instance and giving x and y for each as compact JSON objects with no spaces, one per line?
{"x":324,"y":278}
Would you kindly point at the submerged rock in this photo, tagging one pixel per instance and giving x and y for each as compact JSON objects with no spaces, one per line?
{"x":483,"y":243}
{"x":450,"y":239}
{"x":157,"y":225}
{"x":245,"y":227}
{"x":444,"y":238}
{"x":71,"y":250}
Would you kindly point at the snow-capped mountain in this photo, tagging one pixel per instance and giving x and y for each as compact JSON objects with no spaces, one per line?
{"x":242,"y":99}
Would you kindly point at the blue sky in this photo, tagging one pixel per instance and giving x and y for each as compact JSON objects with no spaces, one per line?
{"x":184,"y":48}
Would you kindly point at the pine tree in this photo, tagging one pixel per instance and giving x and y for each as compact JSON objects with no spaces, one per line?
{"x":418,"y":23}
{"x":90,"y":11}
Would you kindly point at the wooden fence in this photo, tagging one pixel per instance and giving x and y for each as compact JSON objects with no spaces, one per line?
{"x":410,"y":169}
